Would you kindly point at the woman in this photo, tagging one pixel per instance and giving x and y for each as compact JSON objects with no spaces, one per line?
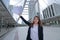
{"x":35,"y":31}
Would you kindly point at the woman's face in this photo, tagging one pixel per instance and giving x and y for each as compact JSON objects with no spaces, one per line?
{"x":35,"y":20}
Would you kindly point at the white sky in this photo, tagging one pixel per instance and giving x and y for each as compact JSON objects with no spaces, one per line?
{"x":19,"y":3}
{"x":42,"y":4}
{"x":15,"y":2}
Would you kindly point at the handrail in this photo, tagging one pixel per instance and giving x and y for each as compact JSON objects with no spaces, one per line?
{"x":6,"y":9}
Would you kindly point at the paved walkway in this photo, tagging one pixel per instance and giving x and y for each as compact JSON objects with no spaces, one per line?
{"x":20,"y":33}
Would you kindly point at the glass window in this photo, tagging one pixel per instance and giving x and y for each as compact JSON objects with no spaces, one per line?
{"x":52,"y":10}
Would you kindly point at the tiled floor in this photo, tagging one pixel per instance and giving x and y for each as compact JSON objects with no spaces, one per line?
{"x":20,"y":33}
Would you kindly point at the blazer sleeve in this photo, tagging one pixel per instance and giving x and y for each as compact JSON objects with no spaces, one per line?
{"x":28,"y":23}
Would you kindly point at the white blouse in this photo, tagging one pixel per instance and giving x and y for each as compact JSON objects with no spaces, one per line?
{"x":34,"y":32}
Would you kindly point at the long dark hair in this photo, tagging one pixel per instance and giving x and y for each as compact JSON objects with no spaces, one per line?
{"x":39,"y":22}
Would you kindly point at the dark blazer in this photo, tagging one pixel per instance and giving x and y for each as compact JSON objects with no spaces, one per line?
{"x":40,"y":30}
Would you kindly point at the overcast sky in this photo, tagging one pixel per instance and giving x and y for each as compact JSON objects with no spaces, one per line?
{"x":42,"y":4}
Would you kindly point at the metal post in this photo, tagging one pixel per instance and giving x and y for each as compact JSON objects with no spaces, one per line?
{"x":38,"y":9}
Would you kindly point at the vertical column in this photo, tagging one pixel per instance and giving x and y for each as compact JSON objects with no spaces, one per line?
{"x":38,"y":9}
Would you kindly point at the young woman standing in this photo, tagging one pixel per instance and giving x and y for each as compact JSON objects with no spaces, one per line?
{"x":35,"y":31}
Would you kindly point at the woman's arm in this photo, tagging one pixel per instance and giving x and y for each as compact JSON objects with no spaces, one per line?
{"x":28,"y":23}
